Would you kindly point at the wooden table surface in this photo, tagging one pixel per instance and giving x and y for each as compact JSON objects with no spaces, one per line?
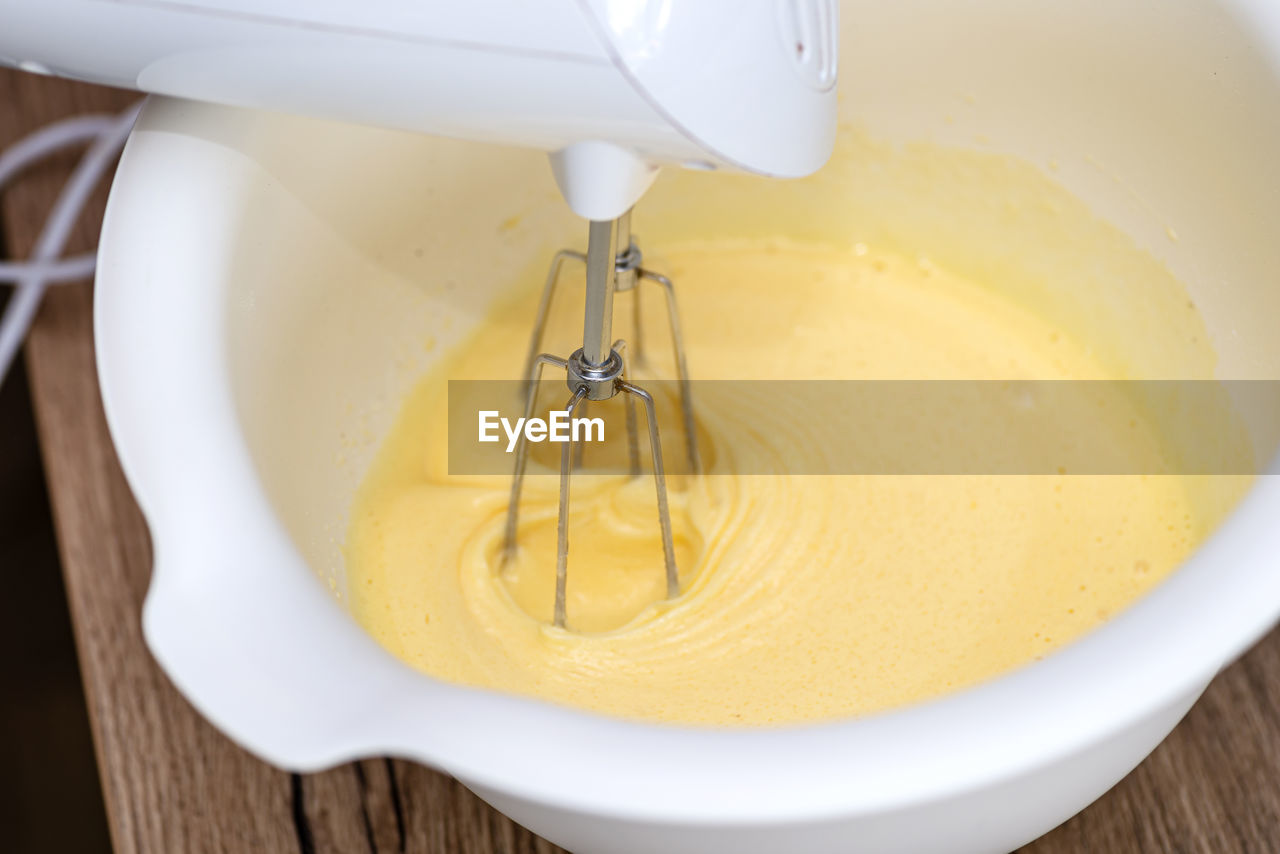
{"x":173,"y":784}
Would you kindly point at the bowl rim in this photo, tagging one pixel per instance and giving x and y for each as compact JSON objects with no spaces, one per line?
{"x":244,"y":629}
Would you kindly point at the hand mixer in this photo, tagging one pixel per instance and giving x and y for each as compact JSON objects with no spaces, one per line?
{"x":612,"y":89}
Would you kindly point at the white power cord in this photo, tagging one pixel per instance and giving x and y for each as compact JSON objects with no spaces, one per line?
{"x":106,"y":135}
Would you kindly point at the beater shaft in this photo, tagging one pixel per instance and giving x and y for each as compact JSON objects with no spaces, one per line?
{"x":597,"y":326}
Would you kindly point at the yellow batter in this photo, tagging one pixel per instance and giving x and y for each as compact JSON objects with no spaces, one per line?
{"x":805,"y":597}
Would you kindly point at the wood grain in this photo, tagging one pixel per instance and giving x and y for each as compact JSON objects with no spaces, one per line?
{"x":174,"y":785}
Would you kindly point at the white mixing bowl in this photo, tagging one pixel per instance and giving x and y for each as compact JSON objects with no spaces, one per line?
{"x":265,"y":290}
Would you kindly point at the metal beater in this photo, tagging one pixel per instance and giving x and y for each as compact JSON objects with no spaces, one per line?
{"x":598,"y":371}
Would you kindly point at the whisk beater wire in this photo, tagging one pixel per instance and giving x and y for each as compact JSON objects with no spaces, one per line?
{"x":660,"y":482}
{"x":522,"y":453}
{"x":598,"y":371}
{"x":562,"y":522}
{"x":682,"y":363}
{"x":629,"y":271}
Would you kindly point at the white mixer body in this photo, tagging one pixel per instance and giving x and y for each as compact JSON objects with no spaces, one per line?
{"x":615,"y":88}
